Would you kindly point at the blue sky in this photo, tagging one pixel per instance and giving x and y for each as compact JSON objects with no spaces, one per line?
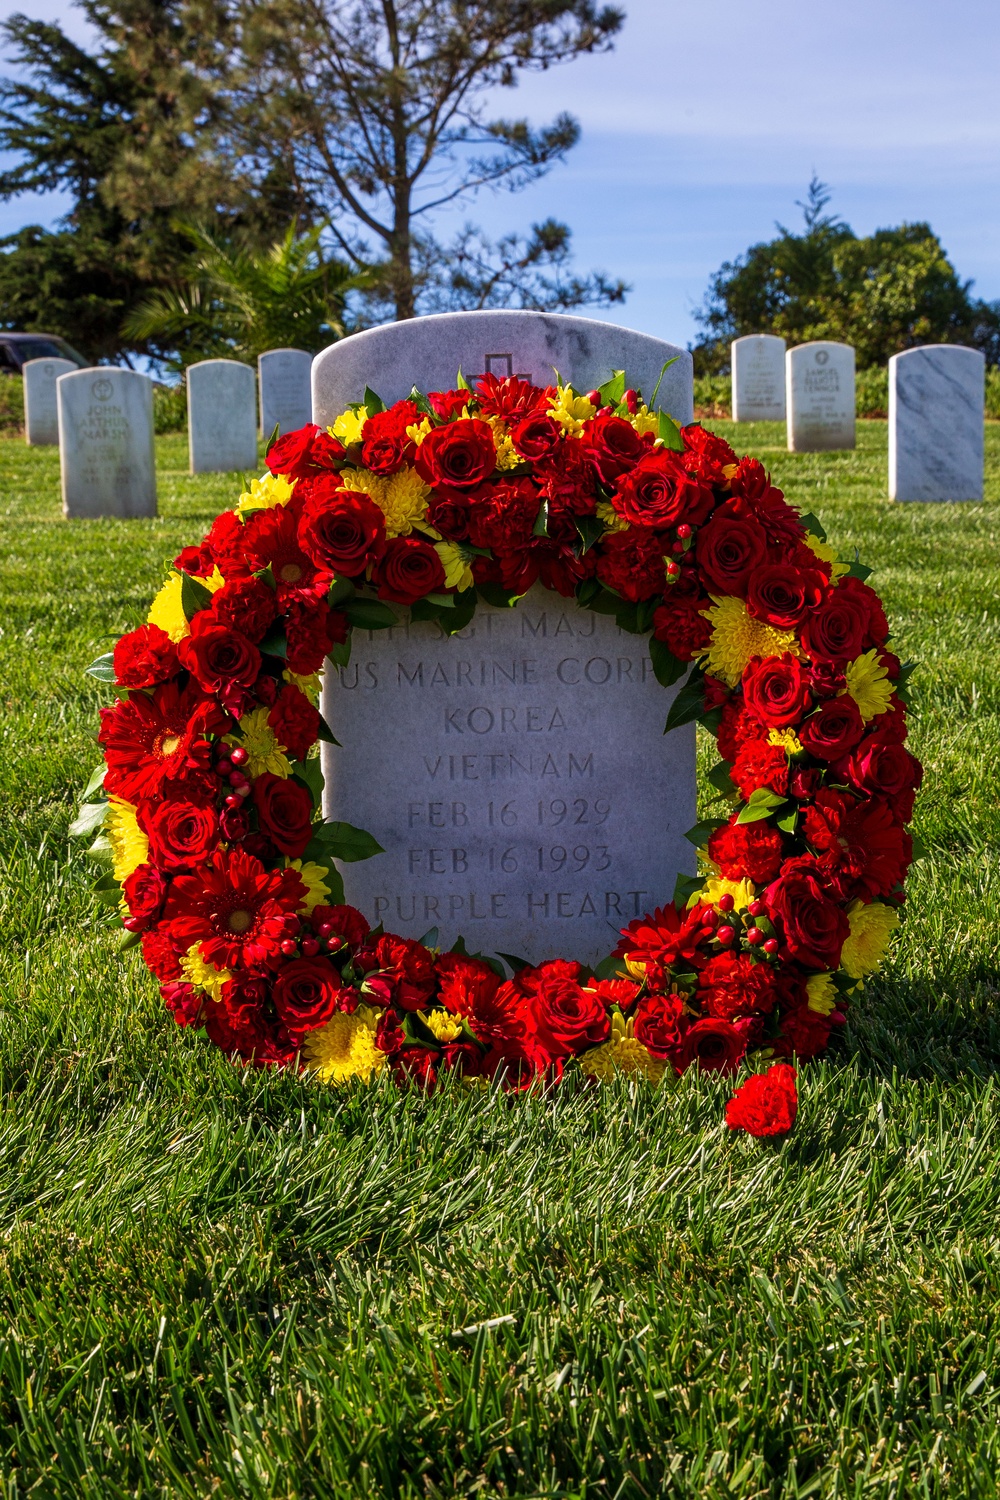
{"x":706,"y":122}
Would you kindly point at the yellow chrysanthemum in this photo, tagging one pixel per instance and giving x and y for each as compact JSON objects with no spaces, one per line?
{"x":267,"y":491}
{"x":202,"y":975}
{"x":417,"y":431}
{"x":622,"y":1054}
{"x":570,"y":410}
{"x":787,"y":738}
{"x":309,"y":685}
{"x":457,"y":572}
{"x":345,"y":1047}
{"x":868,"y":684}
{"x":445,"y":1027}
{"x":612,"y":520}
{"x":729,"y":470}
{"x":871,"y":928}
{"x":737,"y":637}
{"x":644,"y":420}
{"x":826,"y":554}
{"x":167,"y":611}
{"x":402,"y":497}
{"x":348,"y":426}
{"x":742,"y":892}
{"x":261,"y":744}
{"x":636,"y":968}
{"x":129,"y":845}
{"x":822,"y":994}
{"x":314,"y":880}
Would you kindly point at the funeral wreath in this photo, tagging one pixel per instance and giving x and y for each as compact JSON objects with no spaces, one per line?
{"x":207,"y":809}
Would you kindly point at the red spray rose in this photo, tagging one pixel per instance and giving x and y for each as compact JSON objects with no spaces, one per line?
{"x":408,"y":569}
{"x":144,"y":891}
{"x":537,"y":436}
{"x":658,"y":1025}
{"x":345,"y":922}
{"x":448,"y":404}
{"x":766,"y":1105}
{"x":404,"y":965}
{"x":461,"y":453}
{"x":284,"y":809}
{"x":144,"y":657}
{"x":341,"y":529}
{"x":305,"y":994}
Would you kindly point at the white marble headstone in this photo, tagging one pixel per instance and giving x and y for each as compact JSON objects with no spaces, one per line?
{"x":819,"y":390}
{"x":106,"y":449}
{"x":517,"y":776}
{"x":936,"y":436}
{"x":758,"y":374}
{"x":222,"y":416}
{"x":41,"y":413}
{"x":428,"y":352}
{"x":285,"y":394}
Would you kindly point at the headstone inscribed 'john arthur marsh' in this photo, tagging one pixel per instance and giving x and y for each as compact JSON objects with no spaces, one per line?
{"x":106,"y":443}
{"x":41,"y":414}
{"x":936,"y":423}
{"x":758,"y":365}
{"x":819,"y":390}
{"x":517,"y":774}
{"x":285,"y":397}
{"x":222,"y":416}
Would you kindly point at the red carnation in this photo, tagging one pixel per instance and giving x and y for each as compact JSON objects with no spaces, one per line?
{"x":246,"y":605}
{"x":728,"y":550}
{"x":766,"y":1105}
{"x":409,"y":569}
{"x":465,"y":983}
{"x":295,"y":721}
{"x":658,"y":1026}
{"x":612,"y":445}
{"x":144,"y":657}
{"x":218,"y":658}
{"x":310,"y":631}
{"x":706,"y":454}
{"x":632,"y":563}
{"x":181,"y":834}
{"x":308,"y":450}
{"x":284,"y":810}
{"x":234,"y":908}
{"x":680,"y":625}
{"x":733,"y":985}
{"x":814,"y":927}
{"x":305,"y":994}
{"x":760,"y":764}
{"x":385,"y":446}
{"x":461,"y":454}
{"x":160,"y":953}
{"x":747,"y":851}
{"x":501,"y":516}
{"x":776,"y":690}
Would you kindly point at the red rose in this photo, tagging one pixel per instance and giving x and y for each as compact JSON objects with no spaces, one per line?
{"x":385,"y":446}
{"x":181,"y":834}
{"x":246,"y":605}
{"x":776,"y":690}
{"x":305,"y":994}
{"x":448,"y":512}
{"x":813,"y":927}
{"x":747,"y":851}
{"x":865,"y":597}
{"x":295,"y":722}
{"x":145,"y":657}
{"x":886,"y":770}
{"x":632,"y":563}
{"x":733,"y":985}
{"x":238,"y":1024}
{"x":198,"y":561}
{"x":565,"y":1017}
{"x":806,"y":1032}
{"x":448,"y":404}
{"x":461,"y":453}
{"x":537,"y":436}
{"x":783,"y":595}
{"x":861,"y":843}
{"x":309,"y":450}
{"x":310,"y":631}
{"x":833,"y":729}
{"x":343,"y":921}
{"x":760,"y":764}
{"x":728,"y":550}
{"x":681,"y":626}
{"x":284,"y":809}
{"x":183,"y":1001}
{"x":716,"y":1046}
{"x":660,"y":492}
{"x":658,"y":1025}
{"x":341,"y":529}
{"x":766,"y":1105}
{"x":144,"y":891}
{"x":408,"y":570}
{"x":836,"y":631}
{"x":405,"y":966}
{"x":612,"y":445}
{"x":804,"y":783}
{"x":218,"y":658}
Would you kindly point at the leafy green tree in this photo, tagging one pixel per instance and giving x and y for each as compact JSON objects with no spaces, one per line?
{"x":881,"y":293}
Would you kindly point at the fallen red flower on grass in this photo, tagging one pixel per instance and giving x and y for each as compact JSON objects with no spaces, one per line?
{"x":766,"y":1105}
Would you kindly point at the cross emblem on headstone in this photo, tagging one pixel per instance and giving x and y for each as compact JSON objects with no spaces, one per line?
{"x":507,"y":374}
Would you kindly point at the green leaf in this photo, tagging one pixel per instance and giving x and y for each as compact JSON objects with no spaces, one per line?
{"x":431,"y":938}
{"x":689,"y":703}
{"x":461,"y":384}
{"x":586,"y":591}
{"x":667,"y":668}
{"x":465,"y":607}
{"x":517,"y":964}
{"x":669,"y":433}
{"x":275,"y":435}
{"x":443,"y":601}
{"x":699,"y":834}
{"x":627,"y":617}
{"x":761,"y":805}
{"x":326,"y":734}
{"x":813,"y":525}
{"x":610,"y":968}
{"x":101,"y":850}
{"x":95,"y":783}
{"x":88,"y":820}
{"x":373,"y":404}
{"x":103,"y":668}
{"x":340,"y":654}
{"x":194,"y":596}
{"x":310,"y":773}
{"x":498,"y":596}
{"x":656,"y":387}
{"x":420,"y":401}
{"x":590,"y":529}
{"x":684,"y":888}
{"x":130,"y":940}
{"x":426,"y":609}
{"x":720,"y":778}
{"x":612,"y":391}
{"x":339,"y":590}
{"x":275,"y":643}
{"x":859,"y":570}
{"x":606,"y":602}
{"x":370,"y":614}
{"x":644,"y":613}
{"x":541,"y":526}
{"x":919,"y":849}
{"x":344,"y":841}
{"x":788,"y":820}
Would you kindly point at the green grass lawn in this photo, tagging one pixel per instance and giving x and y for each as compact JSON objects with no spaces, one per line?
{"x":219,"y":1283}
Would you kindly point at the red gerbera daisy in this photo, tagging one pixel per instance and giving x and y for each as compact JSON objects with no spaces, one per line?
{"x":155,"y":745}
{"x":270,"y":540}
{"x":234,"y":908}
{"x":511,"y":398}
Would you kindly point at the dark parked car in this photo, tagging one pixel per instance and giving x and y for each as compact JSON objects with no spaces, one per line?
{"x":17,"y":348}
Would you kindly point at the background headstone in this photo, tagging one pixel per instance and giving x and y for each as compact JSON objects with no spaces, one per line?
{"x":428,"y":352}
{"x":41,"y":411}
{"x":936,"y":438}
{"x":820,"y":397}
{"x":758,"y":366}
{"x":106,"y":449}
{"x":517,"y":776}
{"x":285,"y":395}
{"x":222,"y":416}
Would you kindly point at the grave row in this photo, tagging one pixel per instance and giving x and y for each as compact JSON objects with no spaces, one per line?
{"x":936,"y":408}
